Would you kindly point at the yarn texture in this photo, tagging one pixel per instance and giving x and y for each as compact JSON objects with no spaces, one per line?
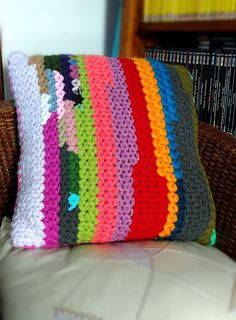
{"x":108,"y":152}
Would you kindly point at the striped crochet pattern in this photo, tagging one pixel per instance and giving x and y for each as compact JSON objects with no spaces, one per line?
{"x":108,"y":152}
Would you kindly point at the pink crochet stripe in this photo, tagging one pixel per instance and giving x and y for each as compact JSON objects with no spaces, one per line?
{"x":74,"y":68}
{"x":99,"y":77}
{"x":52,"y":167}
{"x":21,"y":153}
{"x":70,"y":126}
{"x":59,"y":86}
{"x":52,"y":182}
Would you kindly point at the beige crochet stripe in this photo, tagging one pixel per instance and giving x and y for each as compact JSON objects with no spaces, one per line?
{"x":39,"y":62}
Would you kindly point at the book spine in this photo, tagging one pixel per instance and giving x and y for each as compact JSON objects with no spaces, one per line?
{"x":177,"y":57}
{"x":204,"y":87}
{"x":208,"y":77}
{"x":197,"y":76}
{"x":218,"y":92}
{"x":146,"y":10}
{"x":164,"y":56}
{"x":202,"y":61}
{"x":227,"y":112}
{"x":233,"y":105}
{"x":155,"y":53}
{"x":214,"y":98}
{"x":193,"y":67}
{"x":229,"y":95}
{"x":232,"y":101}
{"x":152,"y":54}
{"x":221,"y":93}
{"x":212,"y":88}
{"x":229,"y":98}
{"x":224,"y":92}
{"x":167,"y":56}
{"x":146,"y":53}
{"x":181,"y":57}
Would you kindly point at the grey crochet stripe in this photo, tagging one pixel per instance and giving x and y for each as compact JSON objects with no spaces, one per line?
{"x":68,"y":220}
{"x":187,"y":85}
{"x":197,"y":200}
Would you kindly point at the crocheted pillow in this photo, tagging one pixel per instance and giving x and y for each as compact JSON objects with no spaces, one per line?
{"x":108,"y":152}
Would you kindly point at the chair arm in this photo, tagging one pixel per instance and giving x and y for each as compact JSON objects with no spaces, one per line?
{"x":218,"y":155}
{"x":9,"y":153}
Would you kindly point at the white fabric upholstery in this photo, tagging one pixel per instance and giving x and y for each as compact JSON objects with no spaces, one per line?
{"x":137,"y":280}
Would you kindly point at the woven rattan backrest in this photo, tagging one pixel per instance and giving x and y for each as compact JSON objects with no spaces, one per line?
{"x":9,"y":154}
{"x":1,"y":74}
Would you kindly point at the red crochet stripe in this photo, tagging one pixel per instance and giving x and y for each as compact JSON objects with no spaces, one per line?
{"x":150,"y":190}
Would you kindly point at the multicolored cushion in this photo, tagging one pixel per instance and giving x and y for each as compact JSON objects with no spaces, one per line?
{"x":108,"y":152}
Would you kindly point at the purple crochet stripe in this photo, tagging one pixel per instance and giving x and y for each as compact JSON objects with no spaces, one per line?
{"x":126,"y":148}
{"x":67,"y":78}
{"x":52,"y":182}
{"x":74,"y":74}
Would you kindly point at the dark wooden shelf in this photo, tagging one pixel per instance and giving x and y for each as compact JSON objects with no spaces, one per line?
{"x":137,"y":35}
{"x":188,"y":26}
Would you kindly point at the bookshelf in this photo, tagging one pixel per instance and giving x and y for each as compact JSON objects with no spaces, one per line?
{"x":194,"y":45}
{"x":136,"y":34}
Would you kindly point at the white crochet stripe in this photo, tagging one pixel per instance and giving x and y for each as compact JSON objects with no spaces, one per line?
{"x":27,"y":225}
{"x":45,"y":106}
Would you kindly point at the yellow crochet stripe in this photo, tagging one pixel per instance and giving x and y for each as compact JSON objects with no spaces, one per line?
{"x":159,"y":140}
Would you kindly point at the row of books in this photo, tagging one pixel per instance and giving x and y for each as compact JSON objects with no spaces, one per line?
{"x":214,"y":82}
{"x":216,"y":42}
{"x":175,"y":10}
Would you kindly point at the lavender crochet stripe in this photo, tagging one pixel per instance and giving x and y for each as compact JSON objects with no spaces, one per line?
{"x":126,"y":148}
{"x":29,"y":203}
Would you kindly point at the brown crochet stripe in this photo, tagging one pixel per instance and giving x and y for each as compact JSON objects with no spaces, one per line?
{"x":38,"y":60}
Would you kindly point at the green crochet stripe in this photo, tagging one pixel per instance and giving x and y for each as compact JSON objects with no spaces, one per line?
{"x":53,"y":62}
{"x":88,"y":169}
{"x":73,"y":172}
{"x":206,"y":237}
{"x":61,"y":131}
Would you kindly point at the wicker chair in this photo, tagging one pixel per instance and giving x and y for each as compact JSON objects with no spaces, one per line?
{"x":217,"y":150}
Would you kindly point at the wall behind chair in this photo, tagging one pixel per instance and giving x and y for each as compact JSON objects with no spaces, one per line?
{"x":52,"y":26}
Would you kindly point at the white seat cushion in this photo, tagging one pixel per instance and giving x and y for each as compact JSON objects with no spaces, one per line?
{"x":147,"y":280}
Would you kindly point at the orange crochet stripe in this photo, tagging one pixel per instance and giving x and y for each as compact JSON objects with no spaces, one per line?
{"x":160,"y":141}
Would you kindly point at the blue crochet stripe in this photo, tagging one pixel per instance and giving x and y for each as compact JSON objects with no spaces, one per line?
{"x":51,"y":90}
{"x":170,"y":113}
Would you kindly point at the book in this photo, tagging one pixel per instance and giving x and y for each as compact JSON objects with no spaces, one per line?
{"x":175,"y":10}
